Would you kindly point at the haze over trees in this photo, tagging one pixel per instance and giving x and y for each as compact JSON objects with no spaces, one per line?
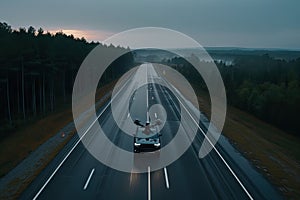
{"x":266,"y":87}
{"x":37,"y":72}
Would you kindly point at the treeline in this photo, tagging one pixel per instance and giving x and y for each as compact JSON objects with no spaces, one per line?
{"x":38,"y":69}
{"x":266,"y":87}
{"x":259,"y":84}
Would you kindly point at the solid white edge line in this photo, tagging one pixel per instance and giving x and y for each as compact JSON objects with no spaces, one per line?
{"x":88,"y":180}
{"x":224,"y":161}
{"x":166,"y":177}
{"x":149,"y":184}
{"x":226,"y":164}
{"x":62,"y":162}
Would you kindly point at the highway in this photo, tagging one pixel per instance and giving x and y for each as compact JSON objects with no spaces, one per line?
{"x":76,"y":174}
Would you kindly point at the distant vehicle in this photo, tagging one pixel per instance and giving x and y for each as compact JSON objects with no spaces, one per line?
{"x":146,"y":138}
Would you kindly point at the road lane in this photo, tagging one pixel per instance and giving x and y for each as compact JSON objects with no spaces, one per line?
{"x":188,"y":178}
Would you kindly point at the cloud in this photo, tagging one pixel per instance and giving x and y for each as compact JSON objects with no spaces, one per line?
{"x":211,"y":22}
{"x":89,"y":35}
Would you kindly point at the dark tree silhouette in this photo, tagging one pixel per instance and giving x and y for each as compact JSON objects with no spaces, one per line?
{"x":268,"y":88}
{"x":38,"y":69}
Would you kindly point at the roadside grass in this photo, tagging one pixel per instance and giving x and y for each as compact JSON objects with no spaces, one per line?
{"x":45,"y":162}
{"x":17,"y":146}
{"x":273,"y":152}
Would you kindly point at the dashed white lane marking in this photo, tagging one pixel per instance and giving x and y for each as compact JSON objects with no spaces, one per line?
{"x":88,"y":180}
{"x":147,"y":95}
{"x":149,"y":184}
{"x":155,"y":115}
{"x":128,"y":115}
{"x":166,"y":178}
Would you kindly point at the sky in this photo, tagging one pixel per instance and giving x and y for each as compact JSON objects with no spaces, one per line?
{"x":213,"y":23}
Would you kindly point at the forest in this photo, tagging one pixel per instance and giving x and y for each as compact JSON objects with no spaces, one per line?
{"x":267,"y":87}
{"x":37,"y":72}
{"x":38,"y":69}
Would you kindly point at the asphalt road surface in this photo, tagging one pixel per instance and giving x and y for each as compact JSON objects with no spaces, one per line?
{"x":76,"y":174}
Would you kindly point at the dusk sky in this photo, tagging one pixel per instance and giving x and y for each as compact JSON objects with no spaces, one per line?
{"x":229,"y":23}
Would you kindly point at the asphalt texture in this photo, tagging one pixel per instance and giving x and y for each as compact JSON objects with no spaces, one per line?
{"x":81,"y":176}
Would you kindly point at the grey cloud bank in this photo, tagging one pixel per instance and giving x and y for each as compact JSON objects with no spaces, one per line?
{"x":243,"y":23}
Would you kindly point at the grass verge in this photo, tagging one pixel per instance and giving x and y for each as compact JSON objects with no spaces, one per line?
{"x":20,"y":144}
{"x":273,"y":152}
{"x":17,"y":146}
{"x":38,"y":170}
